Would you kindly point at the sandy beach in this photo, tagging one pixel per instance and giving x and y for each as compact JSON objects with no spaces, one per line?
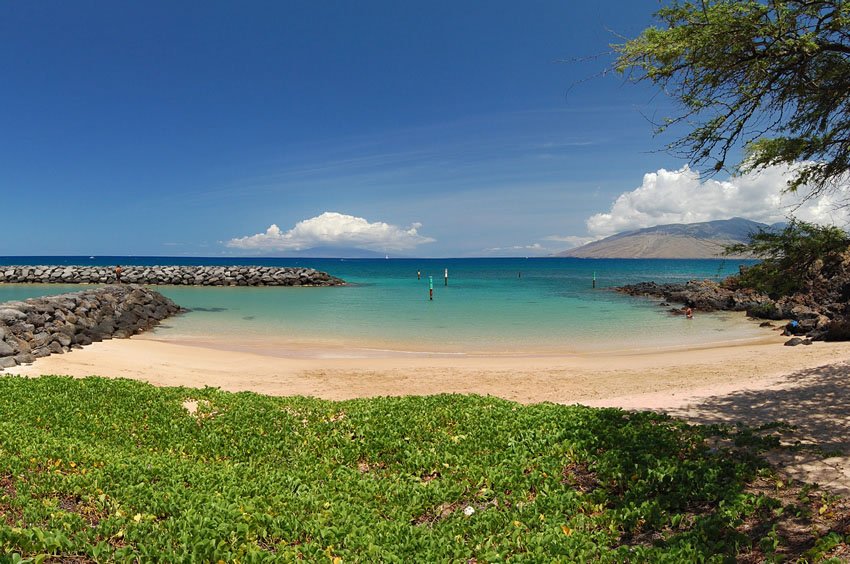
{"x":752,"y":383}
{"x":658,"y":379}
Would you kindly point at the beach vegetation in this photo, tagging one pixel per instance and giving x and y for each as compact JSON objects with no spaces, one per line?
{"x":118,"y":470}
{"x":791,"y":257}
{"x":773,"y":77}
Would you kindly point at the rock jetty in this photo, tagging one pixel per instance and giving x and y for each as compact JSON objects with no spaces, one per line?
{"x":177,"y":275}
{"x":55,"y":324}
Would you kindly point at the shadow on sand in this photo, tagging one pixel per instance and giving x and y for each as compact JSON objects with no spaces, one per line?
{"x":815,"y":402}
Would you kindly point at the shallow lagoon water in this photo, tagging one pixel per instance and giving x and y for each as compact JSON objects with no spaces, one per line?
{"x":490,"y":305}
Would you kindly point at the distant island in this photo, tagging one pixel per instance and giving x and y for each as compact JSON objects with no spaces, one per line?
{"x":334,"y":252}
{"x":679,"y":240}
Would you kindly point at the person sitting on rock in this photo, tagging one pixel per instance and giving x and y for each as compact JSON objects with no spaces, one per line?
{"x":118,"y":274}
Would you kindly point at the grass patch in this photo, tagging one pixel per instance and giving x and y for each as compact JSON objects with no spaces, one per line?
{"x":105,"y":470}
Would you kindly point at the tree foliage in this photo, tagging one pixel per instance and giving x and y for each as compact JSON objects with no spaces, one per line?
{"x":789,"y":257}
{"x":773,"y":75}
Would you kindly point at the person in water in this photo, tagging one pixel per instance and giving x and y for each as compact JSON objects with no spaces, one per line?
{"x":689,"y":313}
{"x":118,"y":274}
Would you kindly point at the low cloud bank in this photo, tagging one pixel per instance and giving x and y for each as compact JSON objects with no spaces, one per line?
{"x":535,"y":248}
{"x":334,"y":229}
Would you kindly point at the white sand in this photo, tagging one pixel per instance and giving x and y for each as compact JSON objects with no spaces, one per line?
{"x":648,"y":379}
{"x":808,"y":386}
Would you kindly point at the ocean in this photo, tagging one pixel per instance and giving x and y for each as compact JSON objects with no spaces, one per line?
{"x":490,"y":305}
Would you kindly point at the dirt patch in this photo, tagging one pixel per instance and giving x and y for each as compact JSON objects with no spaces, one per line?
{"x":580,"y":477}
{"x":75,"y":504}
{"x":793,"y":521}
{"x":8,"y":492}
{"x":442,"y":511}
{"x":364,"y":466}
{"x":7,"y":486}
{"x":69,"y":559}
{"x":430,"y":477}
{"x":791,"y":525}
{"x":446,"y":510}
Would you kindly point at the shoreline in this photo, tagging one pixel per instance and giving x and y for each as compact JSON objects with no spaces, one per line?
{"x":336,"y":373}
{"x":804,"y":386}
{"x":281,"y":347}
{"x":739,"y":330}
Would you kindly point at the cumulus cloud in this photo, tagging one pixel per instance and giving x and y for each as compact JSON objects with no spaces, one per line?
{"x":681,"y":196}
{"x":336,"y":229}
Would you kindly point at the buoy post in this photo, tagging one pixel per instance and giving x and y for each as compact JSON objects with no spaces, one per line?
{"x":594,"y":279}
{"x":447,"y":276}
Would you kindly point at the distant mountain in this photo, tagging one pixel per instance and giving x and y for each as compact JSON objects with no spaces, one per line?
{"x":678,"y":240}
{"x":334,"y":252}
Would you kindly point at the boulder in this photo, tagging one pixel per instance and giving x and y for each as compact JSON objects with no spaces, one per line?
{"x":838,"y":330}
{"x":24,"y":358}
{"x":10,"y":315}
{"x":6,"y":349}
{"x":7,"y":362}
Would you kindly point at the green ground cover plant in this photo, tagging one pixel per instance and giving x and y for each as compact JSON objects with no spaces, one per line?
{"x":117,"y":470}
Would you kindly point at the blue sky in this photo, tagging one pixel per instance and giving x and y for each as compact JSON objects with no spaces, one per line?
{"x":444,"y":128}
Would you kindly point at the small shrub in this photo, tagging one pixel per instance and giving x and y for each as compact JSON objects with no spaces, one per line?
{"x":790,"y":257}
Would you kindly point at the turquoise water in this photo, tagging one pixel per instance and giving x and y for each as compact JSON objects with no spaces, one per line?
{"x":489,"y":305}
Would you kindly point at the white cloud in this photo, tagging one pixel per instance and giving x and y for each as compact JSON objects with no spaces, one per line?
{"x":681,"y":196}
{"x":337,"y":229}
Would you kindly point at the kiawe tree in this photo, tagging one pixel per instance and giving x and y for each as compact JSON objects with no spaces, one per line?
{"x":772,"y":76}
{"x":791,"y":257}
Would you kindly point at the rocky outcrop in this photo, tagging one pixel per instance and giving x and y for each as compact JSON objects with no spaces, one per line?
{"x":703,"y":295}
{"x":177,"y":275}
{"x":820,"y":311}
{"x":55,"y":324}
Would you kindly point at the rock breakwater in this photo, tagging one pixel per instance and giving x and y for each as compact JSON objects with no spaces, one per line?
{"x":176,"y":275}
{"x":55,"y":324}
